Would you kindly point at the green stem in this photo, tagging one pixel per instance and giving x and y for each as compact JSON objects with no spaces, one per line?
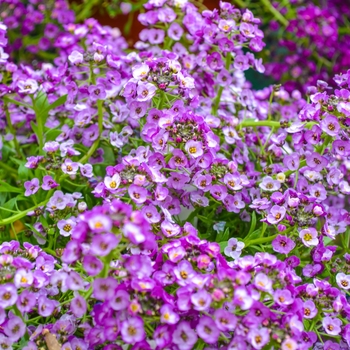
{"x":260,"y":240}
{"x":100,"y":116}
{"x":7,"y":168}
{"x":21,"y":214}
{"x":252,"y":123}
{"x":215,"y":108}
{"x":270,"y":104}
{"x":92,"y":74}
{"x":91,"y":151}
{"x":12,"y":130}
{"x":240,"y":3}
{"x":279,"y":17}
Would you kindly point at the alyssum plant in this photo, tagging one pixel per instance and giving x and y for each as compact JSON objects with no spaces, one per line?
{"x":150,"y":199}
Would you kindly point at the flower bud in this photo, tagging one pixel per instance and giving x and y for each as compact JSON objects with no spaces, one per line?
{"x":281,"y":177}
{"x":82,"y":206}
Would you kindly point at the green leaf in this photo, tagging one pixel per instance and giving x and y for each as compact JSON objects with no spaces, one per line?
{"x":253,"y":225}
{"x":222,"y":245}
{"x":23,"y":172}
{"x":41,"y":103}
{"x":34,"y":127}
{"x":60,"y":101}
{"x":5,"y":187}
{"x":52,"y":134}
{"x":8,"y":205}
{"x":18,"y":103}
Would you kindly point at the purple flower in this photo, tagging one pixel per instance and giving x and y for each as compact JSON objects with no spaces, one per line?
{"x":104,"y":288}
{"x":112,"y":183}
{"x":184,"y":273}
{"x":310,"y":309}
{"x":185,"y":82}
{"x":258,"y":337}
{"x":234,"y":248}
{"x":76,"y":57}
{"x":32,"y":162}
{"x":309,"y":236}
{"x":151,"y":214}
{"x":263,"y":282}
{"x":23,"y":278}
{"x":226,"y":25}
{"x":194,"y":148}
{"x":70,"y":167}
{"x":31,"y":187}
{"x":134,"y":233}
{"x":86,"y":170}
{"x":100,"y":223}
{"x":48,"y":183}
{"x":138,"y":194}
{"x":176,"y":254}
{"x":214,"y":61}
{"x":184,"y":336}
{"x":316,"y":162}
{"x":292,"y":161}
{"x":26,"y":301}
{"x":29,"y":86}
{"x":225,"y":320}
{"x":78,"y":306}
{"x":167,"y":315}
{"x":247,"y":29}
{"x":341,"y":148}
{"x":276,"y":214}
{"x":66,"y":226}
{"x":120,"y":300}
{"x":140,"y":71}
{"x":92,"y":265}
{"x":175,"y":31}
{"x":207,"y":330}
{"x":132,"y":330}
{"x":233,"y":181}
{"x":169,"y":229}
{"x":318,"y":191}
{"x":343,"y":280}
{"x":269,"y":184}
{"x":283,"y":297}
{"x":51,"y":146}
{"x":97,"y":92}
{"x":8,"y":295}
{"x":331,"y":325}
{"x":241,"y":62}
{"x":155,"y":36}
{"x":201,"y":300}
{"x":330,"y":125}
{"x":145,"y":91}
{"x":14,"y":328}
{"x":103,"y":244}
{"x":289,"y":344}
{"x":282,"y":244}
{"x":46,"y":306}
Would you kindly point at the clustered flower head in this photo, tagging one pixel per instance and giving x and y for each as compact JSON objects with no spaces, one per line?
{"x":155,"y":199}
{"x":313,"y":43}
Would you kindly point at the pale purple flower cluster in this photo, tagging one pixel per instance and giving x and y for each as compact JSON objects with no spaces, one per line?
{"x":175,"y":207}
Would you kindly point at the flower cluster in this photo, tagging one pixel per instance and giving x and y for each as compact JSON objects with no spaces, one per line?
{"x":151,"y":197}
{"x":314,"y":45}
{"x":122,"y":284}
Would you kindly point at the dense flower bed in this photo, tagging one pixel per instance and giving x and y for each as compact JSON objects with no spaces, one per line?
{"x":151,"y":199}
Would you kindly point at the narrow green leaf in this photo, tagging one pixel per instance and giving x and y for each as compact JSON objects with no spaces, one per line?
{"x":18,"y":103}
{"x":5,"y":187}
{"x":60,"y":101}
{"x":8,"y":205}
{"x":253,"y":225}
{"x":222,"y":245}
